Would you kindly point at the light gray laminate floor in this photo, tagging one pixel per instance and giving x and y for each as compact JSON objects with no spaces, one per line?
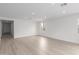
{"x":37,"y":45}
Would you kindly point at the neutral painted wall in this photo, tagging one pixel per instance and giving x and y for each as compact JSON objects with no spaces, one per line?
{"x":24,"y":28}
{"x":64,"y":28}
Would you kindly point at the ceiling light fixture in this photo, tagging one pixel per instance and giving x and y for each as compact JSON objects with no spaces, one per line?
{"x":53,"y":3}
{"x":33,"y":13}
{"x":64,"y":11}
{"x":63,"y":4}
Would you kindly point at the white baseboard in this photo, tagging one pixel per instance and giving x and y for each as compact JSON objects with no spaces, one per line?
{"x":59,"y":39}
{"x":23,"y":36}
{"x":46,"y":37}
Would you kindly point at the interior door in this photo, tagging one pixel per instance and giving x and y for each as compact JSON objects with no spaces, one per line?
{"x":6,"y":28}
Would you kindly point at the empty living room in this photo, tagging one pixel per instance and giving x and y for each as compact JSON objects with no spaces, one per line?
{"x":39,"y":28}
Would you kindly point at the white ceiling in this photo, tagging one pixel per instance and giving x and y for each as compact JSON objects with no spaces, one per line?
{"x":36,"y":10}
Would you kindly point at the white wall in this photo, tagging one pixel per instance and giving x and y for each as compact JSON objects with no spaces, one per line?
{"x":64,"y":28}
{"x":24,"y":28}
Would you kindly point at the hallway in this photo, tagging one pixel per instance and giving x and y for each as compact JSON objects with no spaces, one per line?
{"x":36,"y":45}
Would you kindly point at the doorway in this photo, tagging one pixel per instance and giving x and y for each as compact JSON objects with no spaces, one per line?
{"x":7,"y":29}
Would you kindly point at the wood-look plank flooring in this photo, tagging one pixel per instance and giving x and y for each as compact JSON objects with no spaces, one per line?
{"x":37,"y":45}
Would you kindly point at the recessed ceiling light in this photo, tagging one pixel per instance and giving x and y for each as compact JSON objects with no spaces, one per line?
{"x":33,"y":13}
{"x":45,"y":17}
{"x":53,"y":3}
{"x":64,"y":11}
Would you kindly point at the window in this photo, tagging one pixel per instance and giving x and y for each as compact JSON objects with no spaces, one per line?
{"x":42,"y":26}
